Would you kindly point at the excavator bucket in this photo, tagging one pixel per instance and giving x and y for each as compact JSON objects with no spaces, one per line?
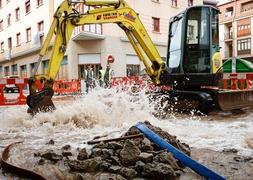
{"x":234,"y":99}
{"x":40,"y":101}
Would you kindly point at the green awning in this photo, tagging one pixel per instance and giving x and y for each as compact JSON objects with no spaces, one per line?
{"x":241,"y":66}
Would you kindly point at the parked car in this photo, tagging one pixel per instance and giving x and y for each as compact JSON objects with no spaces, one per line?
{"x":11,"y":87}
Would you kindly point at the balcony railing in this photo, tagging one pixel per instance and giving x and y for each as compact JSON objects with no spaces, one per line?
{"x":228,"y":36}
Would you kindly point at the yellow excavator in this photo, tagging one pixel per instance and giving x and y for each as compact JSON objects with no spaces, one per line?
{"x":193,"y":59}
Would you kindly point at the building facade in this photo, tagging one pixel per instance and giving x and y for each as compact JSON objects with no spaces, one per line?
{"x":24,"y":26}
{"x":236,"y":31}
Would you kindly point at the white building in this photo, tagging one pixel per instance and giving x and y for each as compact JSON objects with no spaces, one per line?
{"x":25,"y":23}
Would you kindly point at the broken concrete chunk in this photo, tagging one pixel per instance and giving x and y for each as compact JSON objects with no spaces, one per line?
{"x":89,"y":165}
{"x":167,"y":158}
{"x":82,"y":155}
{"x":130,"y":153}
{"x":128,"y":172}
{"x":146,"y":157}
{"x":51,"y":155}
{"x":66,"y":147}
{"x":114,"y":145}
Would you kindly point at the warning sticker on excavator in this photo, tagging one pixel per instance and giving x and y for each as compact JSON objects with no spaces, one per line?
{"x":129,"y":16}
{"x":110,"y":15}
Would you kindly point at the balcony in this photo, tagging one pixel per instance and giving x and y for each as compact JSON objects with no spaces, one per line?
{"x":228,"y":36}
{"x":88,"y":32}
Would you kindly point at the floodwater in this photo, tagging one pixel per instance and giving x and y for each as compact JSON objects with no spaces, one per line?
{"x":109,"y":112}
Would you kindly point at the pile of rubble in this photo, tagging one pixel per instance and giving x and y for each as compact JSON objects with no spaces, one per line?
{"x":125,"y":159}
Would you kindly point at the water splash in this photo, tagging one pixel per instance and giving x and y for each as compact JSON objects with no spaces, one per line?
{"x":111,"y":111}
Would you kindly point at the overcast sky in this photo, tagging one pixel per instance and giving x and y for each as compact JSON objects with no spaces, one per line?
{"x":223,"y":1}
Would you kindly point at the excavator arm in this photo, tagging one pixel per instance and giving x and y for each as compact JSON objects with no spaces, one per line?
{"x":66,"y":19}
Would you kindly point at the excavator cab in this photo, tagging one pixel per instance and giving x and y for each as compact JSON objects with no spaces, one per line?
{"x":193,"y":57}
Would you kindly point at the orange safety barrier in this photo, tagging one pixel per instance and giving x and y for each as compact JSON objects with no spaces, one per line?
{"x":236,"y":81}
{"x":19,"y":83}
{"x":62,"y":87}
{"x":141,"y":81}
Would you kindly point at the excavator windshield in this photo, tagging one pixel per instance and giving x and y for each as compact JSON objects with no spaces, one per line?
{"x":197,"y":42}
{"x":175,"y":36}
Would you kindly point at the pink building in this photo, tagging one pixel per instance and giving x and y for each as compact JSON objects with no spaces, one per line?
{"x":236,"y":30}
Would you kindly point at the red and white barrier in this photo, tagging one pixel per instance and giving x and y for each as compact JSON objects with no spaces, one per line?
{"x":20,"y":83}
{"x":237,"y":81}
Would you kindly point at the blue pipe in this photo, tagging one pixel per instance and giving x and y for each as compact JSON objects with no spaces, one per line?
{"x":186,"y":160}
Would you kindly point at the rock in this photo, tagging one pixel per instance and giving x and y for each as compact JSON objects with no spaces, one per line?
{"x":130,"y":153}
{"x":104,"y":166}
{"x":101,"y":145}
{"x":146,"y":157}
{"x":109,"y":176}
{"x":66,"y":147}
{"x":158,"y":171}
{"x":114,"y":145}
{"x":230,"y":150}
{"x":170,"y":138}
{"x":167,"y":158}
{"x":52,"y":156}
{"x":115,"y":169}
{"x":114,"y":160}
{"x":82,"y":155}
{"x":96,"y":152}
{"x":89,"y":165}
{"x":41,"y":162}
{"x":128,"y":172}
{"x":139,"y":166}
{"x":82,"y":177}
{"x":51,"y":142}
{"x":146,"y":148}
{"x":107,"y":153}
{"x":66,"y":153}
{"x":242,"y":158}
{"x":37,"y":154}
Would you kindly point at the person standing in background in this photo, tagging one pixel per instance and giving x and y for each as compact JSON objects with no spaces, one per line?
{"x":108,"y":76}
{"x":101,"y":76}
{"x":89,"y":78}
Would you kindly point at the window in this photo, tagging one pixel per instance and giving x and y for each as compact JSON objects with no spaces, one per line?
{"x":28,"y":34}
{"x":39,"y":2}
{"x":133,"y":69}
{"x":17,"y":14}
{"x":18,"y":39}
{"x":244,"y":44}
{"x":156,"y":24}
{"x":198,"y":36}
{"x":174,"y":55}
{"x":23,"y":71}
{"x":41,"y":26}
{"x":174,"y":3}
{"x":32,"y":66}
{"x":190,"y":2}
{"x":1,"y":25}
{"x":27,"y":7}
{"x":14,"y":69}
{"x":9,"y":19}
{"x":2,"y":47}
{"x":6,"y":70}
{"x":9,"y":43}
{"x":229,"y":12}
{"x":45,"y":66}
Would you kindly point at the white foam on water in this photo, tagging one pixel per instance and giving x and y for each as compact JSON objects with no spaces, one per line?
{"x":111,"y":112}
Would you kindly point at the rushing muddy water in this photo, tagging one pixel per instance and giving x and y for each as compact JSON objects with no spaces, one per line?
{"x":108,"y":112}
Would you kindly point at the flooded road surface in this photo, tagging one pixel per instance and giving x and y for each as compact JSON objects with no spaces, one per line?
{"x":107,"y":112}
